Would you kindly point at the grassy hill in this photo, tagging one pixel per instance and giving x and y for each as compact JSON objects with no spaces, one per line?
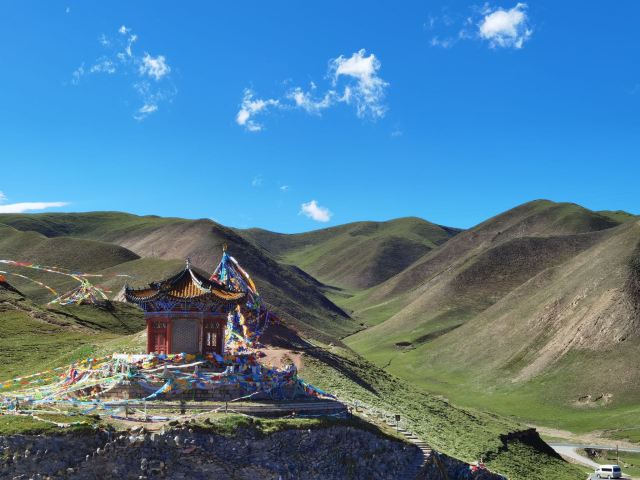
{"x":420,"y":283}
{"x":292,"y":294}
{"x":34,"y":338}
{"x":356,"y":255}
{"x":532,"y":313}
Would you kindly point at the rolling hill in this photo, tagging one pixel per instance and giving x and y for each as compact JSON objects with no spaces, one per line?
{"x":544,"y":294}
{"x":502,"y":317}
{"x":532,"y":313}
{"x":294,"y":295}
{"x":356,"y":255}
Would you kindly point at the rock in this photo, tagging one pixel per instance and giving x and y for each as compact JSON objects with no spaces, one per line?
{"x":333,"y":452}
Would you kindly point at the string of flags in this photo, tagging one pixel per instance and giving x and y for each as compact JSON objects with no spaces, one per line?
{"x":244,"y":326}
{"x":85,"y":292}
{"x":86,"y":382}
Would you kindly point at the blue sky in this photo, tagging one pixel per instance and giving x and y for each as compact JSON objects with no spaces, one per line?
{"x":292,"y":116}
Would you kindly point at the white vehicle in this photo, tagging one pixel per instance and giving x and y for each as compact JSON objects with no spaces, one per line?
{"x":608,"y":471}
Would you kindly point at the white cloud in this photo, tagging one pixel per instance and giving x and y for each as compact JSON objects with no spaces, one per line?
{"x":506,"y":28}
{"x":315,"y":212}
{"x":250,"y":107}
{"x":354,"y":81}
{"x":105,"y":65}
{"x":130,"y":40}
{"x":305,"y":101}
{"x":122,"y":60}
{"x":29,"y":206}
{"x":368,"y":91}
{"x":103,"y":40}
{"x":3,"y":197}
{"x":145,"y":110}
{"x":256,"y":181}
{"x":77,"y":74}
{"x":154,"y":67}
{"x":284,"y":188}
{"x":441,"y":42}
{"x":498,"y":26}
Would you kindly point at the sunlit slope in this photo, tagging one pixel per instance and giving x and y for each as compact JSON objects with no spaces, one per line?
{"x":575,"y":326}
{"x":77,"y":255}
{"x":478,"y":266}
{"x":61,"y":251}
{"x":356,"y":255}
{"x":548,"y":315}
{"x":34,"y":338}
{"x":292,"y":294}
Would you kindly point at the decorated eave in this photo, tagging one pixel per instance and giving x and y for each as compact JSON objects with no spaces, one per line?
{"x":186,"y":285}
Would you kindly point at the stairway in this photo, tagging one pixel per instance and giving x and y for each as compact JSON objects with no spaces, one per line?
{"x":375,"y":415}
{"x":425,"y":449}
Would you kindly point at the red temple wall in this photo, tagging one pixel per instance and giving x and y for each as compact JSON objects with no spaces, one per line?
{"x":209,"y":332}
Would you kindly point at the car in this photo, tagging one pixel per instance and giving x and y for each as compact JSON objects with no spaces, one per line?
{"x":608,"y":471}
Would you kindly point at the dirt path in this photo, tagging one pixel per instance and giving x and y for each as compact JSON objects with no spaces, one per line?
{"x":596,"y":437}
{"x":279,"y":357}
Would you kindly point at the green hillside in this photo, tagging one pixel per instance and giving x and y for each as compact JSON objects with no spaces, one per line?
{"x":292,"y":294}
{"x":464,"y":433}
{"x":34,"y":339}
{"x":356,"y":255}
{"x":435,"y":299}
{"x":527,"y":314}
{"x":64,"y":252}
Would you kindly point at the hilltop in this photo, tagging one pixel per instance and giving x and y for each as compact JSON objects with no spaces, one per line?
{"x":356,"y":255}
{"x":156,"y":244}
{"x":526,"y":313}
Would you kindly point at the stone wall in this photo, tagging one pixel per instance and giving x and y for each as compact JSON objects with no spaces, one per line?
{"x":335,"y":452}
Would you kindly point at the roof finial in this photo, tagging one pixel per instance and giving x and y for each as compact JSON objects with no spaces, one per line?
{"x":224,"y":247}
{"x":188,"y":262}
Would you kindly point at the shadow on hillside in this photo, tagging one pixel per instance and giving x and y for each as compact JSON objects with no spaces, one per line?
{"x":346,"y":367}
{"x":281,"y":336}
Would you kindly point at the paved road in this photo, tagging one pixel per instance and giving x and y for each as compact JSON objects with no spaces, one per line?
{"x":568,"y":450}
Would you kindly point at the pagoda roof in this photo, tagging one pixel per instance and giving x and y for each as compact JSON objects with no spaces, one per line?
{"x":184,"y":285}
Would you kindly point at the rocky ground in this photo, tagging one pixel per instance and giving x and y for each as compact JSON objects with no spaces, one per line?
{"x":182,"y":452}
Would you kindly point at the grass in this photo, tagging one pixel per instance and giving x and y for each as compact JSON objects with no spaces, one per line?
{"x":27,"y":425}
{"x":468,"y":366}
{"x":292,"y":294}
{"x":627,"y":434}
{"x":479,"y":364}
{"x":355,"y":255}
{"x":228,"y":424}
{"x":30,"y":346}
{"x":466,"y":434}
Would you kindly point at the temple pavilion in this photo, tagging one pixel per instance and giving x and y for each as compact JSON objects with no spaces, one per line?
{"x":190,"y":313}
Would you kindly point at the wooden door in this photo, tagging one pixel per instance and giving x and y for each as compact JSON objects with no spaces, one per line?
{"x":157,"y":336}
{"x":212,"y":337}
